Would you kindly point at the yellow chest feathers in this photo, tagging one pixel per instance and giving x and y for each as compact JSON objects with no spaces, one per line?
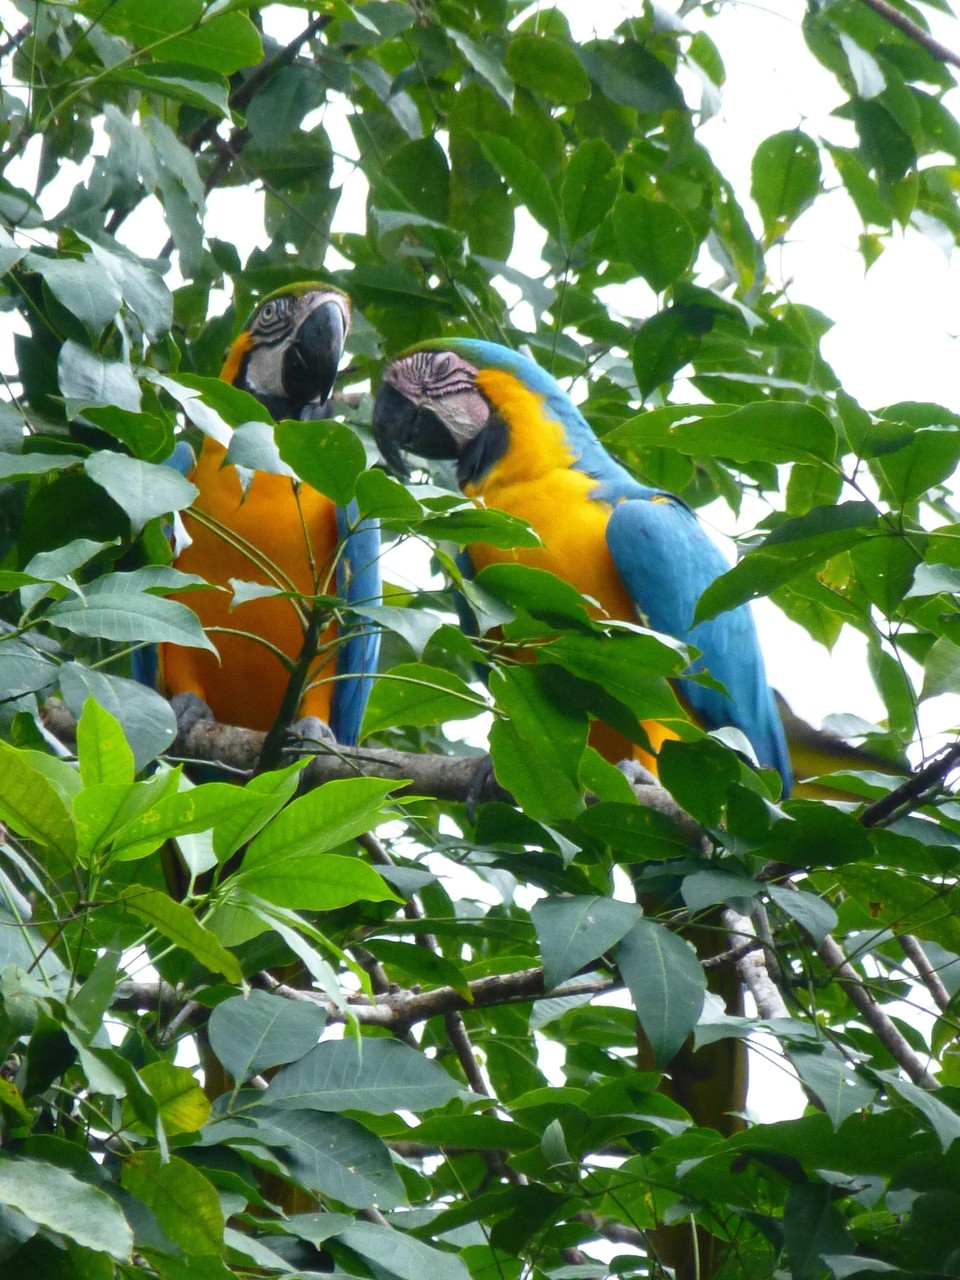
{"x":536,"y":481}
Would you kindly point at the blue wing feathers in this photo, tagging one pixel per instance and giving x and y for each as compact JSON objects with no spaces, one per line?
{"x":666,"y":561}
{"x":358,"y":582}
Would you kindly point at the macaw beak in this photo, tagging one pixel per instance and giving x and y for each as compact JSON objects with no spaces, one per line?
{"x":400,"y":426}
{"x":311,"y":361}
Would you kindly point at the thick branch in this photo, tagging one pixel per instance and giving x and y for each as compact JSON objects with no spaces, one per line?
{"x":441,"y":777}
{"x":396,"y":1009}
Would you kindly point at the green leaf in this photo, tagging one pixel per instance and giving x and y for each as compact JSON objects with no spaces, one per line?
{"x":486,"y":64}
{"x":654,"y":238}
{"x":377,"y":1076}
{"x":785,"y":178}
{"x":187,"y":811}
{"x":181,"y":32}
{"x":812,"y":1227}
{"x":548,"y":67}
{"x":834,"y":1081}
{"x":765,"y":431}
{"x":590,"y":185}
{"x":181,"y":1103}
{"x":55,"y":1199}
{"x":143,"y":490}
{"x":930,"y":459}
{"x":666,"y":983}
{"x":102,"y":750}
{"x":941,"y":669}
{"x":178,"y":924}
{"x":699,"y":776}
{"x":179,"y":81}
{"x":333,"y":1156}
{"x":33,"y":805}
{"x":253,"y":445}
{"x":794,"y":547}
{"x":111,"y":612}
{"x":629,"y":74}
{"x":402,"y":1255}
{"x":327,"y":455}
{"x":81,"y":286}
{"x":315,"y":881}
{"x":944,"y":1122}
{"x":326,"y":817}
{"x":416,"y":626}
{"x":574,"y":931}
{"x":148,"y":723}
{"x":417,"y":694}
{"x":86,"y":379}
{"x":470,"y":524}
{"x":525,"y":179}
{"x":185,"y":1203}
{"x":538,"y":747}
{"x":276,"y":788}
{"x":815,"y":915}
{"x":251,"y":1033}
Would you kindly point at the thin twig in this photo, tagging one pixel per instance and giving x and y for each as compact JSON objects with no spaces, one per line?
{"x":833,"y":957}
{"x":925,"y":971}
{"x":898,"y":19}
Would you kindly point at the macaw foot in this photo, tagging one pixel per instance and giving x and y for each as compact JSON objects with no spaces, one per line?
{"x":189,"y":710}
{"x":636,"y":774}
{"x":306,"y":735}
{"x":484,"y":787}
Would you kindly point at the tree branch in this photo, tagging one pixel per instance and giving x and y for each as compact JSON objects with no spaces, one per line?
{"x":395,"y":1009}
{"x":910,"y":29}
{"x":888,"y":1035}
{"x":752,"y":967}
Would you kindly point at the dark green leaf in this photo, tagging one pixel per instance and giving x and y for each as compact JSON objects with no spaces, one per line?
{"x":666,"y":983}
{"x":574,"y":931}
{"x":785,"y":179}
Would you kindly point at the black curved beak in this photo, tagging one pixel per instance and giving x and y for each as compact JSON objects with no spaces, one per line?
{"x":400,"y":426}
{"x":311,"y":361}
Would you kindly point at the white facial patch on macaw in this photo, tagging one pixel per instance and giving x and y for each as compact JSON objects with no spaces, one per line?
{"x":445,"y":383}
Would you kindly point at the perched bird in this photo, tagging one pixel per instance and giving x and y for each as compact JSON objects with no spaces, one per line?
{"x":521,"y":446}
{"x":282,"y":534}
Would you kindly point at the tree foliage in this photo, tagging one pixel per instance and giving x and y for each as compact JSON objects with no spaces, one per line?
{"x":482,"y":1112}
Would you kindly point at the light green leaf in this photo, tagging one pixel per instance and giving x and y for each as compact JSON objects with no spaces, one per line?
{"x":54,"y":1198}
{"x":178,"y":924}
{"x":185,"y":1203}
{"x":417,"y":694}
{"x":102,"y":750}
{"x":33,"y":805}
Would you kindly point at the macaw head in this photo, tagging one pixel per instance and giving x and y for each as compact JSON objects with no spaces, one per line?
{"x":288,"y":351}
{"x":461,"y":398}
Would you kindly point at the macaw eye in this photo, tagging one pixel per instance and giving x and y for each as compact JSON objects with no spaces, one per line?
{"x":268,"y":311}
{"x":444,"y":364}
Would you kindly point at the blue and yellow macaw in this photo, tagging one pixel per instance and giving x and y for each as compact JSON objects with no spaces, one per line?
{"x":521,"y":446}
{"x":279,"y":533}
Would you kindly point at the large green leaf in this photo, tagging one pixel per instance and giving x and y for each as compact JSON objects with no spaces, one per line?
{"x":253,"y":1032}
{"x":417,"y":694}
{"x":574,"y":931}
{"x":785,"y":179}
{"x":185,"y":1203}
{"x":654,"y":238}
{"x":180,"y":926}
{"x":328,"y":455}
{"x":373,"y":1075}
{"x":666,"y":983}
{"x":76,"y":1210}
